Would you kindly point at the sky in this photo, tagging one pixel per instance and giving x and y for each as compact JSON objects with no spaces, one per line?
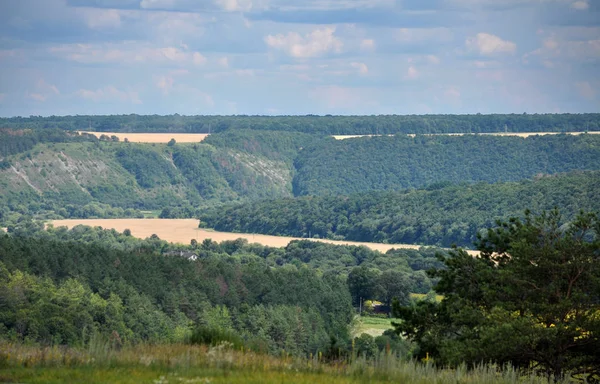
{"x":296,"y":57}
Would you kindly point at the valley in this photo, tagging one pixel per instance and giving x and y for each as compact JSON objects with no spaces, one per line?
{"x":184,"y":230}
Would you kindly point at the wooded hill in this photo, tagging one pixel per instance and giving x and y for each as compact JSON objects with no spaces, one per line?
{"x":65,"y":175}
{"x":331,"y":125}
{"x":439,"y":215}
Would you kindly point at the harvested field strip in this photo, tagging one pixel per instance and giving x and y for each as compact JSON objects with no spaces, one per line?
{"x":153,"y":137}
{"x":184,"y":230}
{"x":518,"y":134}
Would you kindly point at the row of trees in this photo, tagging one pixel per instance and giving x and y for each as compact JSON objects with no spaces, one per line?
{"x":332,"y":125}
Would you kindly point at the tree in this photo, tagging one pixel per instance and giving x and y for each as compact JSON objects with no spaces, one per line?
{"x":531,"y":299}
{"x":171,"y":142}
{"x":393,"y":284}
{"x":362,"y":283}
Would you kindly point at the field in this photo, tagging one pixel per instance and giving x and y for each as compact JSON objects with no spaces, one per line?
{"x":161,"y":364}
{"x":184,"y":230}
{"x":374,"y":326}
{"x":154,"y":137}
{"x":518,"y":134}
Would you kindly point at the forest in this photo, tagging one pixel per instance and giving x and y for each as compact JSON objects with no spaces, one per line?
{"x":326,"y":125}
{"x":442,"y":214}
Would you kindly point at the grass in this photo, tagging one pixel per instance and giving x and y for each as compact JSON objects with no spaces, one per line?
{"x":422,"y":296}
{"x":374,"y":326}
{"x":161,"y":364}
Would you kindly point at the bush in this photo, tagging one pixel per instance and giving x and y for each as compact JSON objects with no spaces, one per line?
{"x":215,"y":336}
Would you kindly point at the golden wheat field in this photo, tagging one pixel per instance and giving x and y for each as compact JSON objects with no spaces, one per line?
{"x":153,"y":137}
{"x":184,"y":230}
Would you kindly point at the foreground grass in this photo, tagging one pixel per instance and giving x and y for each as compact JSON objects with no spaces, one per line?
{"x":200,"y":364}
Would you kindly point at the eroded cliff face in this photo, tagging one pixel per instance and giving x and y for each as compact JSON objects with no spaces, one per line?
{"x":97,"y":172}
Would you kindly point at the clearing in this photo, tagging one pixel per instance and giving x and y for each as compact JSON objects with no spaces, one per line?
{"x":184,"y":230}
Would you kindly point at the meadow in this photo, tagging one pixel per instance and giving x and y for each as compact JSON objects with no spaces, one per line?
{"x":100,"y":362}
{"x":184,"y":230}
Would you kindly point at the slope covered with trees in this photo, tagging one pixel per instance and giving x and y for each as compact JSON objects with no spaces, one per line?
{"x":65,"y":291}
{"x":104,"y":178}
{"x":331,"y":125}
{"x":440,"y":215}
{"x":341,"y":167}
{"x":531,"y":300}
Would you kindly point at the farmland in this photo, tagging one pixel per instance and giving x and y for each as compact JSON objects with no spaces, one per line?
{"x":504,"y":134}
{"x":184,"y":230}
{"x":153,"y":137}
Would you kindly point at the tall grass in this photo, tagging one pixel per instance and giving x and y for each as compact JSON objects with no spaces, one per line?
{"x":217,"y":363}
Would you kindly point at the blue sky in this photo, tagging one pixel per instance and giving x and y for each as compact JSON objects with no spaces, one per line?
{"x":273,"y":57}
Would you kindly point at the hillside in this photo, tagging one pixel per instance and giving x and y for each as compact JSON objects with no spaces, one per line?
{"x":151,"y":176}
{"x":341,"y":167}
{"x":440,"y":215}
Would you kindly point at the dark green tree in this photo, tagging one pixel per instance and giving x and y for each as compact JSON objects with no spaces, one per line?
{"x":393,"y":284}
{"x":362,"y":283}
{"x":532,"y":300}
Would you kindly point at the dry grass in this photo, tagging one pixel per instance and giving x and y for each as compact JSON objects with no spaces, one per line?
{"x":163,"y":364}
{"x":184,"y":230}
{"x":518,"y":134}
{"x":154,"y":137}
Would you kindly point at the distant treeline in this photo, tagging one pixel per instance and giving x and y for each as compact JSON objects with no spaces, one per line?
{"x":13,"y":141}
{"x":331,"y":125}
{"x":439,"y":215}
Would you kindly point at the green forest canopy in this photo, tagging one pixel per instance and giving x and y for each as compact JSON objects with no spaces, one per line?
{"x":331,"y":125}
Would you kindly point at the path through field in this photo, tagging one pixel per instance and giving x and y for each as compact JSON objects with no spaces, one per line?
{"x":184,"y":230}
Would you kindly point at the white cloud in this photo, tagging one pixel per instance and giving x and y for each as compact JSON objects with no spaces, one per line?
{"x":329,"y":5}
{"x":452,"y":93}
{"x":199,"y":59}
{"x":97,"y":18}
{"x":585,"y":89}
{"x":362,"y":68}
{"x":335,"y":96}
{"x":127,"y":53}
{"x":109,"y":93}
{"x":580,"y":5}
{"x":158,"y":4}
{"x":313,"y":44}
{"x":235,"y":5}
{"x":487,"y":44}
{"x":367,"y":44}
{"x":433,"y":59}
{"x":223,"y":62}
{"x":43,"y":86}
{"x":36,"y":96}
{"x":555,"y":49}
{"x":420,"y":35}
{"x":165,"y":84}
{"x":2,"y":97}
{"x":412,"y":72}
